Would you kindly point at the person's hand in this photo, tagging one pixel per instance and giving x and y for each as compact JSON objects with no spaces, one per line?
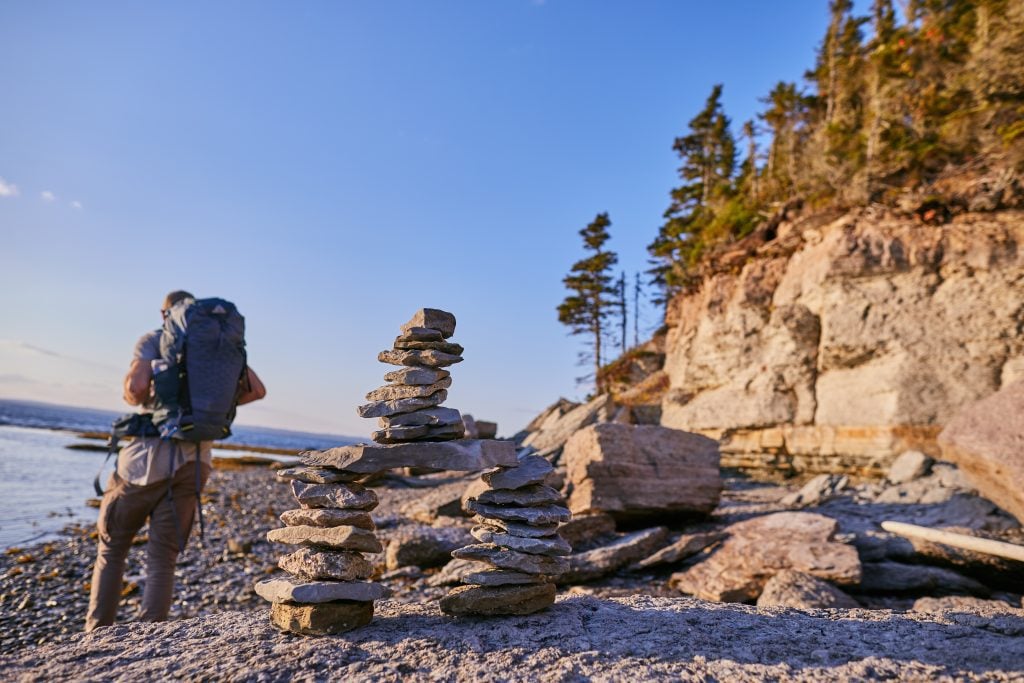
{"x":252,"y":387}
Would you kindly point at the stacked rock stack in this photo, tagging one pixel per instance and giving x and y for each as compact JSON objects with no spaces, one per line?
{"x":328,"y":591}
{"x":409,"y":405}
{"x":518,"y":518}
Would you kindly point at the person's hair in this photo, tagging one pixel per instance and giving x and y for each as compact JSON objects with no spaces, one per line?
{"x":176,"y":296}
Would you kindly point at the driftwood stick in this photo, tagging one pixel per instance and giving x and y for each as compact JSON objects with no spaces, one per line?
{"x":987,"y":546}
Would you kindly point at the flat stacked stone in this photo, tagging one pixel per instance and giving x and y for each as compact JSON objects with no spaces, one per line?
{"x":327,"y":591}
{"x":408,"y":408}
{"x":517,"y":517}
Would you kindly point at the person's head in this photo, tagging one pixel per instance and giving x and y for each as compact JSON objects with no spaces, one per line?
{"x":173,"y":298}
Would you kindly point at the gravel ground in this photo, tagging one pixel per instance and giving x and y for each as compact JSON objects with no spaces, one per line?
{"x":579,"y":638}
{"x":44,"y":588}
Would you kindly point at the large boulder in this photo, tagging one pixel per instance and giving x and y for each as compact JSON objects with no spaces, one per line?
{"x":443,"y":500}
{"x":965,"y":604}
{"x":683,"y":548}
{"x":986,"y":440}
{"x":549,"y":435}
{"x":583,"y":529}
{"x":761,"y":547}
{"x":790,"y":588}
{"x":991,"y":570}
{"x":629,"y":548}
{"x":896,"y":577}
{"x":424,"y":546}
{"x":641,"y":470}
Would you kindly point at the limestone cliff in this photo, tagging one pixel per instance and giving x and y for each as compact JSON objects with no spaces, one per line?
{"x":832,"y":343}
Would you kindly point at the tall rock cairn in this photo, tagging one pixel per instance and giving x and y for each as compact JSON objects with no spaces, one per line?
{"x":408,"y":407}
{"x":520,"y":548}
{"x":327,"y":592}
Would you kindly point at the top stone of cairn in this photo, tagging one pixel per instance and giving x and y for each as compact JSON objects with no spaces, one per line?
{"x":434,"y":319}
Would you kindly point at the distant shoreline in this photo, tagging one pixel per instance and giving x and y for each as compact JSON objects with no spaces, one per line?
{"x":269,"y":450}
{"x":90,"y":422}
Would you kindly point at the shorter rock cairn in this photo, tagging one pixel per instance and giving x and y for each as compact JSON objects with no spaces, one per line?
{"x":408,"y":408}
{"x":328,"y":591}
{"x":521,"y":550}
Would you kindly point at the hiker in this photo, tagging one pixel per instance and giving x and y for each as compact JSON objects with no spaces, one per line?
{"x":159,"y":476}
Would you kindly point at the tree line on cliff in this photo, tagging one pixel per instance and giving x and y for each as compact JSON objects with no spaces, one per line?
{"x":895,"y":101}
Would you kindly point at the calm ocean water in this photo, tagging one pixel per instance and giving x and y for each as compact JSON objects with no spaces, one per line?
{"x":44,"y":484}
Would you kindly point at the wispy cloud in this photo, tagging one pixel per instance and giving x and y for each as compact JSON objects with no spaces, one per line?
{"x":47,"y":196}
{"x":15,"y":378}
{"x":10,"y":346}
{"x":76,"y":205}
{"x":8,"y":189}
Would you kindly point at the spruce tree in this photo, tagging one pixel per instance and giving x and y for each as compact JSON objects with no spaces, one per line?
{"x":786,"y":117}
{"x":747,"y":182}
{"x":708,"y":155}
{"x":837,"y":145}
{"x":593,"y":297}
{"x":931,"y":102}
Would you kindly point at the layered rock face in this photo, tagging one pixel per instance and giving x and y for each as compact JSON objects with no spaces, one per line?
{"x":844,"y":344}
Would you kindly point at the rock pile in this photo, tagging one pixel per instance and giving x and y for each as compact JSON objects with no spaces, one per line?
{"x":329,"y":592}
{"x":408,"y":407}
{"x":332,"y":528}
{"x":520,"y":550}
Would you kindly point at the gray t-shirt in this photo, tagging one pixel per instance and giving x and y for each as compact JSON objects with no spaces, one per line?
{"x":145,"y":460}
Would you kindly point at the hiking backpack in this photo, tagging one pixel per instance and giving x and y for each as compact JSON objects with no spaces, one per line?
{"x":198,"y":376}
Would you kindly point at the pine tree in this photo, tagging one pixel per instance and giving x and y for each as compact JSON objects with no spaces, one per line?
{"x":881,"y":77}
{"x":708,"y":155}
{"x":837,"y":146}
{"x":787,"y":118}
{"x":592,"y":300}
{"x":747,"y":182}
{"x":932,"y":102}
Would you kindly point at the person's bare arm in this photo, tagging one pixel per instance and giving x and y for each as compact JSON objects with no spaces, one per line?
{"x":252,"y":388}
{"x":136,"y":382}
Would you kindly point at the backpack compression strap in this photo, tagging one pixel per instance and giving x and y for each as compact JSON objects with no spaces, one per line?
{"x":111,"y":449}
{"x":132,"y":424}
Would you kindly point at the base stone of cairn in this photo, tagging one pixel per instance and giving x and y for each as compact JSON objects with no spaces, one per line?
{"x":521,"y":551}
{"x":327,"y":591}
{"x":321,"y":619}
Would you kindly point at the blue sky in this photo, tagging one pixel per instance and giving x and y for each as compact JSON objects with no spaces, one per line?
{"x":333,"y":166}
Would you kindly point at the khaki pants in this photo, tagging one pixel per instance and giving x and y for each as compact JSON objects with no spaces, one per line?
{"x":170,"y":507}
